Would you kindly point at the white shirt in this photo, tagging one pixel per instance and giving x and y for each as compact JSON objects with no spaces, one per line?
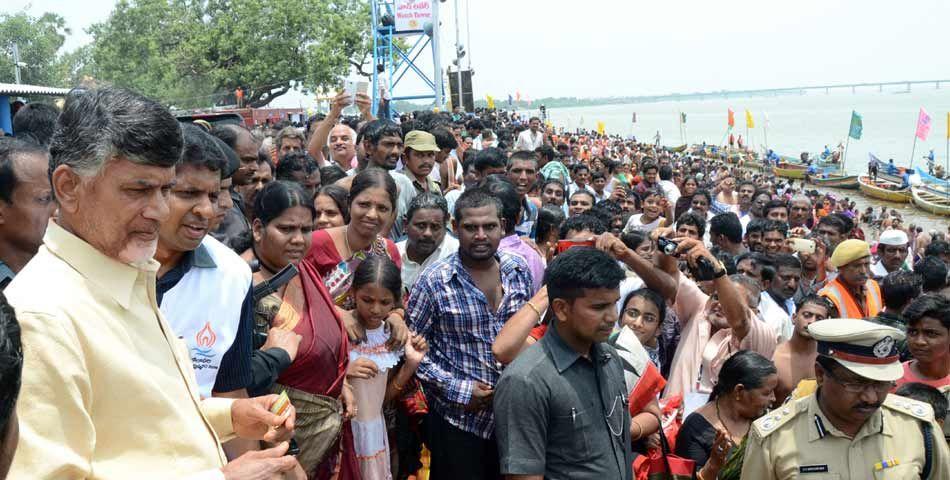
{"x":635,"y":223}
{"x":573,"y":188}
{"x":670,"y":191}
{"x":528,"y":140}
{"x":774,"y":315}
{"x":411,"y":270}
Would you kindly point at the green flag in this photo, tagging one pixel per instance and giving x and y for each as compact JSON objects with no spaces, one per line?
{"x":856,"y":126}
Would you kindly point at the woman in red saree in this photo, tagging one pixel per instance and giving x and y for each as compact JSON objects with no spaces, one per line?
{"x":315,"y":380}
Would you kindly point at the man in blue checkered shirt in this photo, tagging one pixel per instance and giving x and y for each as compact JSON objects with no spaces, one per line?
{"x":459,"y":305}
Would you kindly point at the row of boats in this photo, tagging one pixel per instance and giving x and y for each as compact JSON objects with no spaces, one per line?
{"x":927,"y":192}
{"x":931,"y":194}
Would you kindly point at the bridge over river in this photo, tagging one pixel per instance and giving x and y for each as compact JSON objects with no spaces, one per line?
{"x":771,"y":92}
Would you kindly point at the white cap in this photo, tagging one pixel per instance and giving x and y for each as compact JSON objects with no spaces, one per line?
{"x":893,"y":237}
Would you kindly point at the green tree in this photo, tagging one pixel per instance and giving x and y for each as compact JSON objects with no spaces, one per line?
{"x":197,"y":52}
{"x":39,"y":39}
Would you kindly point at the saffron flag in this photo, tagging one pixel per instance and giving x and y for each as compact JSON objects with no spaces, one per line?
{"x":732,"y":118}
{"x":683,"y":118}
{"x":518,"y":95}
{"x":856,"y":126}
{"x":749,"y":122}
{"x":923,"y":125}
{"x":491,"y":102}
{"x":600,"y":128}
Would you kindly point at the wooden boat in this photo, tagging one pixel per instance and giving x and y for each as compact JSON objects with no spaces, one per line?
{"x":679,"y":149}
{"x":836,"y":180}
{"x":880,"y":190}
{"x":927,"y":200}
{"x":789,"y":170}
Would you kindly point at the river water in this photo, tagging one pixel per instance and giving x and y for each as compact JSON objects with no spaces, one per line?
{"x":796,"y":123}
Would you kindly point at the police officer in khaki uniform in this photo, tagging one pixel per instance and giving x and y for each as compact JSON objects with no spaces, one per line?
{"x":851,"y":428}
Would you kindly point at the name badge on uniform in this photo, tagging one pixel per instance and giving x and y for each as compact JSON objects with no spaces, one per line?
{"x":813,"y":469}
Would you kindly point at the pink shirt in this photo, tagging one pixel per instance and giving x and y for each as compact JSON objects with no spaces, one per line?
{"x":910,"y":377}
{"x":699,"y":347}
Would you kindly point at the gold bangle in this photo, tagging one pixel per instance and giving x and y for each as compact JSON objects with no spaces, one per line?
{"x":536,"y":309}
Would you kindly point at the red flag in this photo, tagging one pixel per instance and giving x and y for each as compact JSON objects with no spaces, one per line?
{"x":732,"y":118}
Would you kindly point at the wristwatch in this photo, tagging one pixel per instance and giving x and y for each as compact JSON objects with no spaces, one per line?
{"x":720,"y":270}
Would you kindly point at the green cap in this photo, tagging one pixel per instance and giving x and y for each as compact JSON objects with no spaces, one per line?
{"x":421,"y":141}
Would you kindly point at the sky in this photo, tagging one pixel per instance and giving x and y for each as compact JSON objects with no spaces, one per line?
{"x":599,"y":48}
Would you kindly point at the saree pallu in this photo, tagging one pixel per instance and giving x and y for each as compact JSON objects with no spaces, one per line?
{"x":314,"y":381}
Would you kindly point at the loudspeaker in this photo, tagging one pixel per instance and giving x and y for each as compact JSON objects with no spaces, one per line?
{"x":468,"y":100}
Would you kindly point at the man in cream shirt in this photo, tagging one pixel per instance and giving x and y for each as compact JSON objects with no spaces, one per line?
{"x":108,"y":390}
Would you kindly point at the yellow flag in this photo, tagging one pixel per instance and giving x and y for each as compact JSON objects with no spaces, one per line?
{"x":600,"y":128}
{"x":491,"y":102}
{"x":749,"y":122}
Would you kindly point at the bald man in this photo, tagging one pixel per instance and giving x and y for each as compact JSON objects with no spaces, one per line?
{"x":340,"y":137}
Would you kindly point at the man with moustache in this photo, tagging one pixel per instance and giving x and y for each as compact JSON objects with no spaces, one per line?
{"x":523,"y":172}
{"x":426,"y":240}
{"x":851,"y":428}
{"x":204,"y":288}
{"x":854,"y":293}
{"x":458,"y":305}
{"x":800,"y":213}
{"x":419,"y":160}
{"x":234,"y":229}
{"x":112,"y":394}
{"x":746,"y":194}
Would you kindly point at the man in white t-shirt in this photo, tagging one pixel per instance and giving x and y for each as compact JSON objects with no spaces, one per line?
{"x":426,"y":240}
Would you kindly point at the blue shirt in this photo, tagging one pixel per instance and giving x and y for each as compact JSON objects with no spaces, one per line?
{"x":529,"y":215}
{"x":453,"y":315}
{"x":6,"y":276}
{"x":235,"y":370}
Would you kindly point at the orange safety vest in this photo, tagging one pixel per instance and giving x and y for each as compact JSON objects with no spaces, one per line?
{"x":847,"y":305}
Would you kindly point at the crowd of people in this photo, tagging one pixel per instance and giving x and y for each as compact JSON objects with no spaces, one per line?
{"x":447,"y":294}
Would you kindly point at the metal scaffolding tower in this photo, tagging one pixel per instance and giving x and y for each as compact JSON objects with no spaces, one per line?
{"x":392,"y":63}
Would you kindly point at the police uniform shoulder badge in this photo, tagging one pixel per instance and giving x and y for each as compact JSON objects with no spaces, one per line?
{"x":910,"y":407}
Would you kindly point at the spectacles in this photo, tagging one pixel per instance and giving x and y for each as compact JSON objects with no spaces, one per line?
{"x":860,"y":387}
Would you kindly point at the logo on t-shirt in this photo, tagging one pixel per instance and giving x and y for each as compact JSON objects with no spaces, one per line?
{"x":204,"y":345}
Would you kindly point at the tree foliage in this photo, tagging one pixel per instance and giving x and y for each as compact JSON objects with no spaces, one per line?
{"x":197,"y":52}
{"x":39,"y":39}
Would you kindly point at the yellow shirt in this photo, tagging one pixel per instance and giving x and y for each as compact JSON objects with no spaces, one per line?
{"x":797,"y":441}
{"x":108,"y":390}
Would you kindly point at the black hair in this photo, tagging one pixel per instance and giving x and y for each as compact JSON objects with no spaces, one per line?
{"x":650,"y":295}
{"x":476,"y":198}
{"x":787,"y":260}
{"x":35,"y":122}
{"x":747,"y":182}
{"x":727,"y":224}
{"x":553,"y":180}
{"x":931,"y":305}
{"x":379,"y":269}
{"x":839,"y":222}
{"x":773,"y":204}
{"x":775,"y":226}
{"x":330,"y":174}
{"x":523,"y":155}
{"x":899,"y":288}
{"x":703,"y":193}
{"x":200,"y":149}
{"x":831,"y":311}
{"x":755,"y":225}
{"x":936,"y":248}
{"x":340,"y":197}
{"x":227,"y":133}
{"x":581,"y":222}
{"x":233,"y":162}
{"x":691,"y":218}
{"x":11,"y":362}
{"x":502,"y":188}
{"x":666,"y":172}
{"x":597,"y":175}
{"x":99,"y":125}
{"x":294,"y":162}
{"x":634,"y":238}
{"x":746,"y":368}
{"x":927,"y":394}
{"x":578,"y":167}
{"x":546,"y":151}
{"x":649,"y":165}
{"x":375,"y":130}
{"x":276,"y":197}
{"x":374,"y":177}
{"x":9,"y":148}
{"x":583,"y":191}
{"x":549,"y":219}
{"x":578,"y":269}
{"x":428,"y":201}
{"x":933,"y":272}
{"x":444,"y":137}
{"x":490,"y":157}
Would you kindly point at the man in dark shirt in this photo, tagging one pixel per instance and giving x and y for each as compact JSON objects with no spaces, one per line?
{"x":561,"y":406}
{"x":897,"y":290}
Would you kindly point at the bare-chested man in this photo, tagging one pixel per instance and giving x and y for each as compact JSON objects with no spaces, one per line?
{"x":795,"y":359}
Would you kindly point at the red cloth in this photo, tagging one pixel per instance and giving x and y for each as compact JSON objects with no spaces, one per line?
{"x":324,"y":256}
{"x":647,"y":389}
{"x":538,"y":332}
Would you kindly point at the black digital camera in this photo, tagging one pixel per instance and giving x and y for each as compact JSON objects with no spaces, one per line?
{"x":704,"y":268}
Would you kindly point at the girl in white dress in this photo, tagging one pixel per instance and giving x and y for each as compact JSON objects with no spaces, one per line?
{"x":377,"y":289}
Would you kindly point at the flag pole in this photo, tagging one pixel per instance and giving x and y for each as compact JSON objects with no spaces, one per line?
{"x":913,"y":150}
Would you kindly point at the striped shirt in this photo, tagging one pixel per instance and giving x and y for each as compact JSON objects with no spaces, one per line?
{"x":453,"y":315}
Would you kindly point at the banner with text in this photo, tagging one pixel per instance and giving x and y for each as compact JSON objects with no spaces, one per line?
{"x":412,"y":14}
